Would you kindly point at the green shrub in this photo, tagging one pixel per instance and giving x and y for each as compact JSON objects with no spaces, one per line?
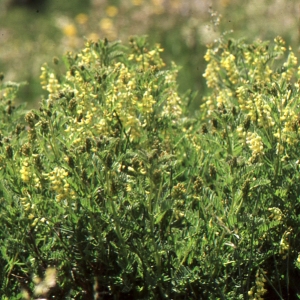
{"x":109,"y":190}
{"x":252,"y":116}
{"x":88,"y":177}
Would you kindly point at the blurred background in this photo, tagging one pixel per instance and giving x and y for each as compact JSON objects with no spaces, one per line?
{"x":35,"y":31}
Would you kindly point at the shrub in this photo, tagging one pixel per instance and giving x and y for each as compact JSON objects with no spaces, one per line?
{"x":252,"y":116}
{"x":88,"y":177}
{"x":109,"y":190}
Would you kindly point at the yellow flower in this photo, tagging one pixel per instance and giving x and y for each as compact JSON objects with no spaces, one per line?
{"x":59,"y":184}
{"x":53,"y":85}
{"x":108,"y":28}
{"x":158,"y":6}
{"x":137,"y":2}
{"x":228,"y":63}
{"x":50,"y":277}
{"x":25,"y":171}
{"x":106,"y":24}
{"x":34,"y":222}
{"x":255,"y":143}
{"x":143,"y":171}
{"x":31,"y":216}
{"x":225,"y":3}
{"x":81,"y":18}
{"x":70,"y":30}
{"x":111,"y":11}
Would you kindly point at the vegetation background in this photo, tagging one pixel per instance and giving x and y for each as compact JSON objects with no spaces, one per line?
{"x":34,"y":31}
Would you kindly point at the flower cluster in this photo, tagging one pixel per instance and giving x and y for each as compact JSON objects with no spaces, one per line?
{"x":30,"y":209}
{"x":48,"y":80}
{"x":121,"y":99}
{"x":211,"y":73}
{"x":229,"y":64}
{"x":25,"y":170}
{"x":257,"y":291}
{"x":276,"y":214}
{"x":288,"y":118}
{"x":279,"y":46}
{"x":290,"y":65}
{"x":148,"y":59}
{"x":284,"y":245}
{"x":28,"y":175}
{"x":242,"y":78}
{"x":255,"y":144}
{"x":257,"y":57}
{"x":59,"y":184}
{"x":42,"y":287}
{"x":179,"y":191}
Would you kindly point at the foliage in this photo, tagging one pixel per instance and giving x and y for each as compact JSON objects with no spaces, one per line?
{"x":90,"y":175}
{"x":111,"y":188}
{"x":253,"y":118}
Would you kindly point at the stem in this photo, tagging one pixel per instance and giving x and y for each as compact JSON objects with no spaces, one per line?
{"x":152,"y":222}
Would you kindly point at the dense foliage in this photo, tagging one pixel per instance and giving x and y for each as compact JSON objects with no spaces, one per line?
{"x":110,"y":190}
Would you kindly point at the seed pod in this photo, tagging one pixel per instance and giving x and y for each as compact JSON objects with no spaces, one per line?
{"x":198,"y":184}
{"x":72,"y":70}
{"x":38,"y":161}
{"x":9,"y":151}
{"x":88,"y":145}
{"x":19,"y":129}
{"x":71,"y":162}
{"x":204,"y":129}
{"x":157,"y":176}
{"x":72,"y":104}
{"x":45,"y":127}
{"x":25,"y":149}
{"x":234,"y":111}
{"x":245,"y":189}
{"x":212,"y":172}
{"x":84,"y":176}
{"x":108,"y":160}
{"x":215,"y":123}
{"x":55,"y":60}
{"x":30,"y":118}
{"x":247,"y":123}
